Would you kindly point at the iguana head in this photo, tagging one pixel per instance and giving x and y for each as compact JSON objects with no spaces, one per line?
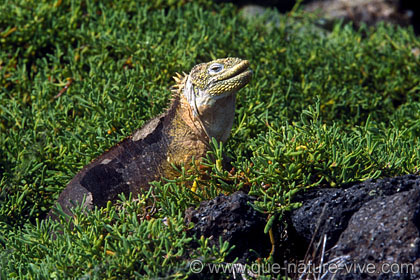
{"x":210,"y":90}
{"x":220,"y":77}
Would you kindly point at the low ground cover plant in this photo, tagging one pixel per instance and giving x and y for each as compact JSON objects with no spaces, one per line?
{"x":325,"y":107}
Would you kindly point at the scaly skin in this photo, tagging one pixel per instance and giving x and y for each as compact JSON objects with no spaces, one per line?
{"x":203,"y":107}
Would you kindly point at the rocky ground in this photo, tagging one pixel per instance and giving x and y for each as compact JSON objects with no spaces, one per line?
{"x":370,"y":12}
{"x":369,"y":229}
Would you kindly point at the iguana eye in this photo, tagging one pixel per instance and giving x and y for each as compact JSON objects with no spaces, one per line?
{"x":215,"y":68}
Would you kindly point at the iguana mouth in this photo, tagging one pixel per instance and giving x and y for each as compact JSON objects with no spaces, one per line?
{"x":245,"y":76}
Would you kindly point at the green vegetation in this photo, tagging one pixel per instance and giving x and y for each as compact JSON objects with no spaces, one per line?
{"x":76,"y":77}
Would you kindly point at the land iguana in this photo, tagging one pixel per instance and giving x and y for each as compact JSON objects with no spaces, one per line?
{"x":203,"y":107}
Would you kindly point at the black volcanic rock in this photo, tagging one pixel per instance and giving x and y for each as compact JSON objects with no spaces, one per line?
{"x":340,"y":205}
{"x":234,"y":220}
{"x":384,"y":233}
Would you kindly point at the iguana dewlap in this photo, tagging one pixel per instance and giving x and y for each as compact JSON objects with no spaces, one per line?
{"x":203,"y":107}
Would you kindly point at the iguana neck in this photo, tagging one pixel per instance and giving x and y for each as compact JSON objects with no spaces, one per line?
{"x":207,"y":119}
{"x":186,"y":137}
{"x":187,"y":115}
